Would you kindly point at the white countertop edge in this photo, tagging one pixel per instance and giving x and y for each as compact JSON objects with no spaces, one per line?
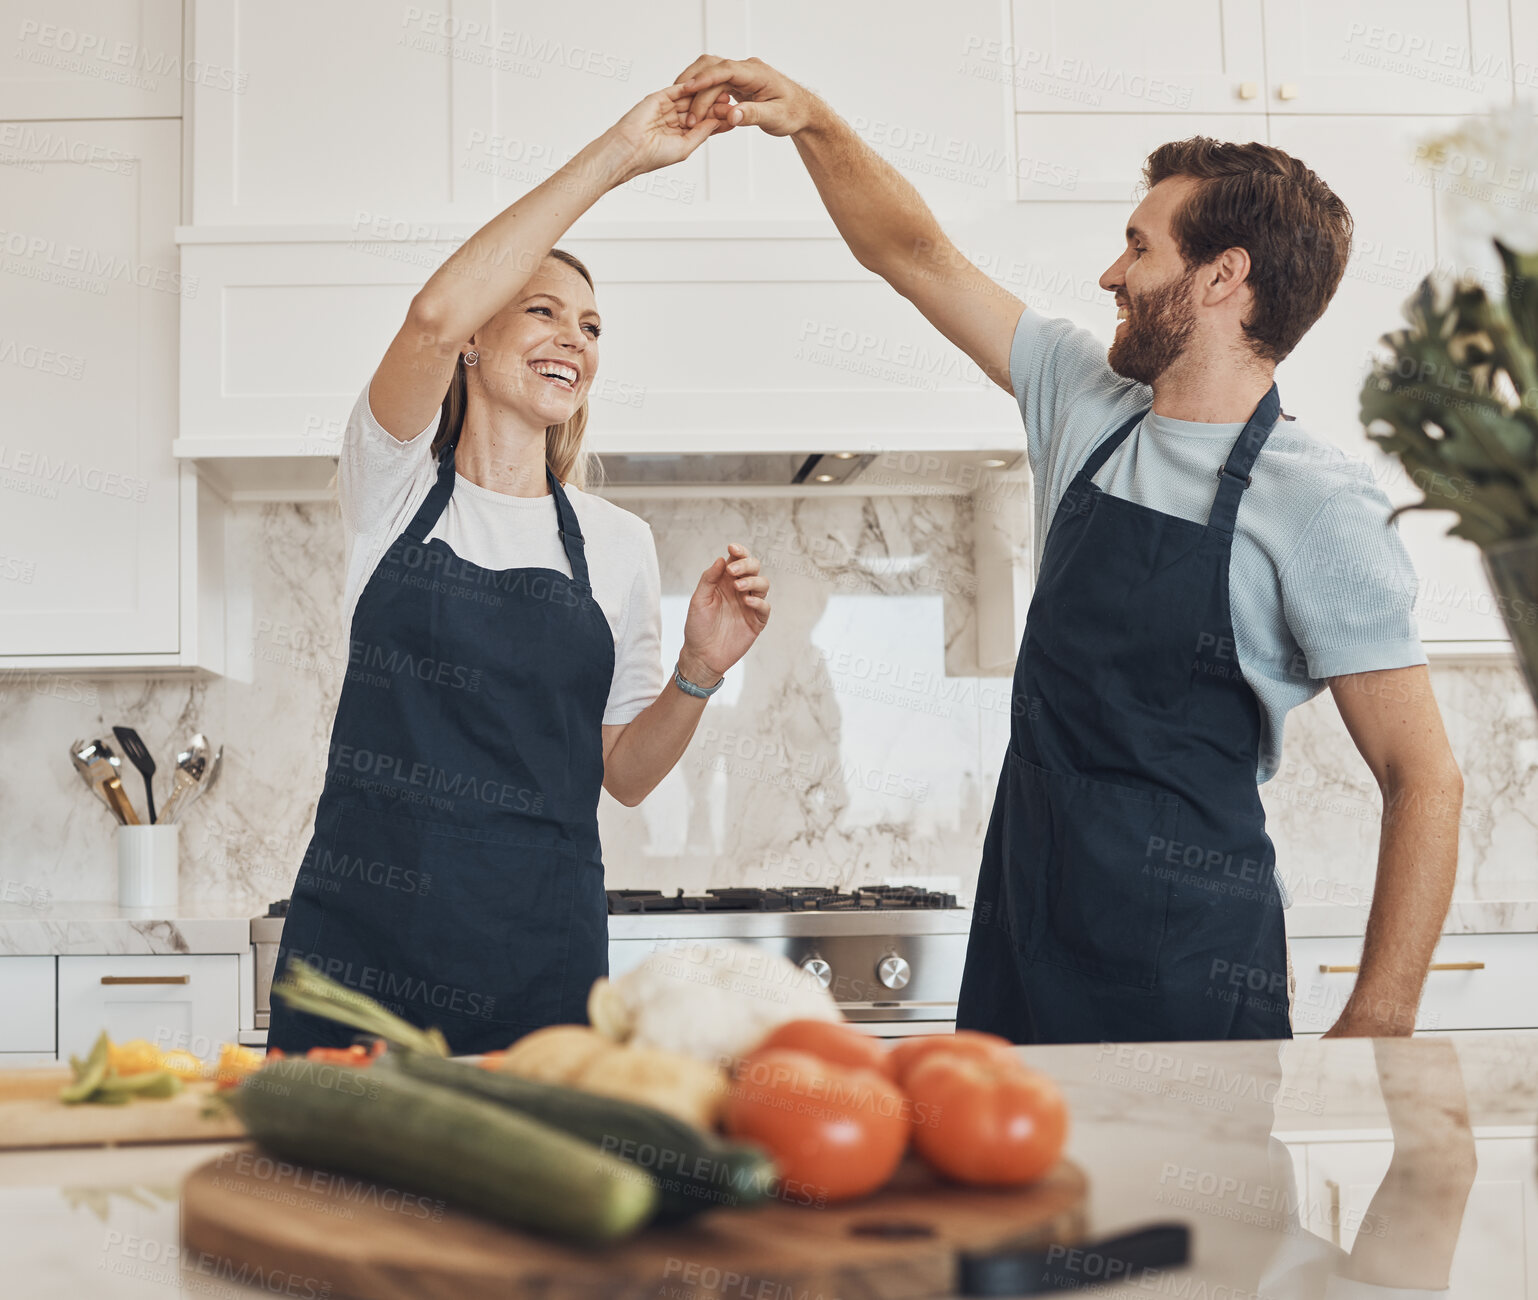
{"x":86,"y":928}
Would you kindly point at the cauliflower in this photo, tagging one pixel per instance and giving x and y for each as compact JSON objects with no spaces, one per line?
{"x":714,"y":1002}
{"x":583,"y":1058}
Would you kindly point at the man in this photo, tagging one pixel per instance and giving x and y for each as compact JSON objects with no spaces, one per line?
{"x":1203,"y":566}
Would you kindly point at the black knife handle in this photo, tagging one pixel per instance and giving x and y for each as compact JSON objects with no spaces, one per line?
{"x":1059,"y":1268}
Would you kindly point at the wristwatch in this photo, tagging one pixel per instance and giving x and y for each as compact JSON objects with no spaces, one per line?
{"x":689,"y":688}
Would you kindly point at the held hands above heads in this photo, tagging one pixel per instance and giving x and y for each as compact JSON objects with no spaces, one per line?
{"x":728,"y":610}
{"x":654,"y":134}
{"x":765,"y":98}
{"x":670,"y":124}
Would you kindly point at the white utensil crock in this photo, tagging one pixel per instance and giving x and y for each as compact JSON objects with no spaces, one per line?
{"x":147,"y":861}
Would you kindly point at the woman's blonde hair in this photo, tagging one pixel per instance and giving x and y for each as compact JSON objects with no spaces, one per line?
{"x":563,"y":442}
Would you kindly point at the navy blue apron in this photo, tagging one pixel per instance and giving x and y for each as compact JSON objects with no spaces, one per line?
{"x":455,"y":872}
{"x":1127,"y":891}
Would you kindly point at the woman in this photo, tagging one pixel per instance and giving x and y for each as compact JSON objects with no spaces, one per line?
{"x":504,"y":656}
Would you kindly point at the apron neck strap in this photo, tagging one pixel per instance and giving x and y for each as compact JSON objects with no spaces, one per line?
{"x":427,"y":513}
{"x":1102,"y":453}
{"x":570,"y":531}
{"x":1234,"y":477}
{"x":437,"y":499}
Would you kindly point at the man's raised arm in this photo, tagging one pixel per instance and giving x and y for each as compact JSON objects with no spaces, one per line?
{"x":887,"y":226}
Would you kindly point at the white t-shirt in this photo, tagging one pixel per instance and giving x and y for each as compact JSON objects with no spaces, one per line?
{"x":382,"y":480}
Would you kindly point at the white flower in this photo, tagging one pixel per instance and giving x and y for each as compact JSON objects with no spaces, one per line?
{"x":1485,"y":172}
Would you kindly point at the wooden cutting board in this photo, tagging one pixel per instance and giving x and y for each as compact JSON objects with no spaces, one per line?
{"x":31,"y":1115}
{"x":360,"y":1240}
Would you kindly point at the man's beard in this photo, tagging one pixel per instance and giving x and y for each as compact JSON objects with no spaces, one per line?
{"x":1159,"y":325}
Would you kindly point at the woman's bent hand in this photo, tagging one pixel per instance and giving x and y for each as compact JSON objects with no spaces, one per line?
{"x":728,"y":610}
{"x":652,"y":135}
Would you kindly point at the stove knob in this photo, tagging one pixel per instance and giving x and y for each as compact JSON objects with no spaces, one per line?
{"x":819,"y":970}
{"x":893,"y":971}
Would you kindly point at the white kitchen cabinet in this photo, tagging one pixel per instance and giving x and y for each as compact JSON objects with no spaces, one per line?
{"x":1073,"y":157}
{"x":27,"y":1005}
{"x":1497,"y":1247}
{"x":933,"y":99}
{"x":99,"y":565}
{"x":1387,"y":56}
{"x":91,"y":59}
{"x":1477,"y":981}
{"x":1188,"y":56}
{"x":190,"y":1003}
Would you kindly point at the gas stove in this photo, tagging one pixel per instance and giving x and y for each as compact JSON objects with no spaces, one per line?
{"x":891,"y":955}
{"x":791,"y":898}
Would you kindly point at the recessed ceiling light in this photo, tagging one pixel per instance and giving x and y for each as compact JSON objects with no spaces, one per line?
{"x":993,"y":462}
{"x":843,"y":455}
{"x":824,"y":478}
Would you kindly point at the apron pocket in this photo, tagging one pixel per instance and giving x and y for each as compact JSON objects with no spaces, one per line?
{"x":1085,"y":852}
{"x":446,"y":925}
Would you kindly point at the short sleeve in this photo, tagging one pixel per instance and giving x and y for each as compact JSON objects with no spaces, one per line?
{"x":1057,"y":367}
{"x":375,"y":471}
{"x":1348,"y":589}
{"x":638,"y":675}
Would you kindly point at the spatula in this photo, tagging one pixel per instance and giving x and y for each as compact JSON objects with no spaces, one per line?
{"x":138,"y":754}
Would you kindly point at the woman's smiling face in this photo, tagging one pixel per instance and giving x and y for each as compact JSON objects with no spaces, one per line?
{"x":538,"y":355}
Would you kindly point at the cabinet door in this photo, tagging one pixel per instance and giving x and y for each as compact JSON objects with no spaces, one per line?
{"x":90,"y":507}
{"x":1477,"y":981}
{"x":1387,"y":56}
{"x":188,"y":1003}
{"x":1075,"y":56}
{"x":1074,"y":157}
{"x":27,"y":1004}
{"x":93,"y":58}
{"x":1495,"y":1238}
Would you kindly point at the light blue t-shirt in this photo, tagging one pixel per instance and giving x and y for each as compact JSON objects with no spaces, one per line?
{"x":1320,"y":583}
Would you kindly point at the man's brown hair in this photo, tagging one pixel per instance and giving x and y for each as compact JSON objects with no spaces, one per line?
{"x":1258,"y":198}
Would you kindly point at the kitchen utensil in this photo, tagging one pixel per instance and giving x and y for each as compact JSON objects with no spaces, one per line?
{"x":187,"y":779}
{"x":1030,"y":1270}
{"x":31,"y":1115}
{"x":81,"y":765}
{"x":215,"y":766}
{"x":902,"y":1241}
{"x":136,"y":752}
{"x":96,"y":762}
{"x":147,"y":865}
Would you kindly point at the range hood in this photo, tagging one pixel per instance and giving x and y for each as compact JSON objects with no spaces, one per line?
{"x":729,"y":473}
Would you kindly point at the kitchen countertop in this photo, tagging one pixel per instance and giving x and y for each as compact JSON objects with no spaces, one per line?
{"x":87,"y":928}
{"x":1206,"y":1133}
{"x":1466,"y":916}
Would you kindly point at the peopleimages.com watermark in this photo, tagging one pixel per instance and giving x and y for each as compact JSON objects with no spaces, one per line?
{"x":100,"y":58}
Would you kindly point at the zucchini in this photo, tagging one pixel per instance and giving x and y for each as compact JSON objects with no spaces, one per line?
{"x":694,"y":1171}
{"x":441,"y":1142}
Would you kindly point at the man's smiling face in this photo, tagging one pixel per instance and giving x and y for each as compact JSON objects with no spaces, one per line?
{"x":1153,"y":286}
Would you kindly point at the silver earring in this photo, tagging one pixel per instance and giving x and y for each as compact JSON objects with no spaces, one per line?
{"x":471,"y":357}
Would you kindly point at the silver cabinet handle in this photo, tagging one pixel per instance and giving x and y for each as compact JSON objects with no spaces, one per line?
{"x":146,"y":979}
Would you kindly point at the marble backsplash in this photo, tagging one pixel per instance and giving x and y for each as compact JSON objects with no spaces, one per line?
{"x":857,"y":744}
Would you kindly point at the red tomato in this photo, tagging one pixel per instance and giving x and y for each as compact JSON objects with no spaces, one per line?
{"x":969,"y":1043}
{"x":835,"y":1133}
{"x":989,"y":1121}
{"x":828,"y":1040}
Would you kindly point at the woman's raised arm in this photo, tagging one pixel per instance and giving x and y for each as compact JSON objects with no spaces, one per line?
{"x":487,"y":271}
